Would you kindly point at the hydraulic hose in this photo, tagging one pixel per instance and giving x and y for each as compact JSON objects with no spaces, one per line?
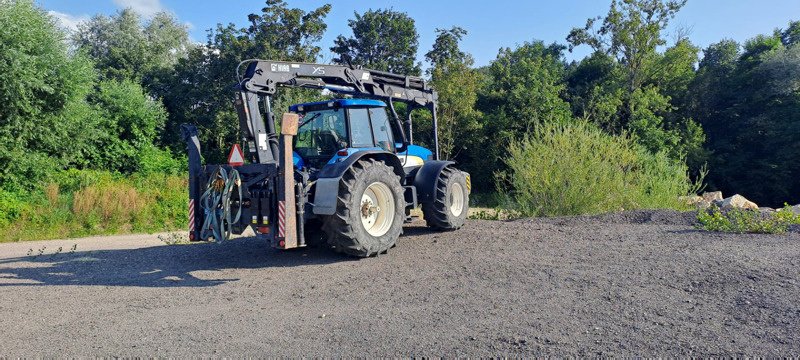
{"x":216,"y":204}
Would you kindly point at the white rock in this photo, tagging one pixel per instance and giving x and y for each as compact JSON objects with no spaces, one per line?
{"x":739,"y":202}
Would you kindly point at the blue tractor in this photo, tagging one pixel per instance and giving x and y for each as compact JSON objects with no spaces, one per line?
{"x":346,"y":166}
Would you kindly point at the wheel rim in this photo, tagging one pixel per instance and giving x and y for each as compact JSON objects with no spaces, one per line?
{"x":456,"y":199}
{"x":377,"y":209}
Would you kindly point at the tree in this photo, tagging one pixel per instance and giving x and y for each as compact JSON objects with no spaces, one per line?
{"x":122,"y":48}
{"x":524,"y":89}
{"x":648,"y":87}
{"x":42,"y":88}
{"x":199,"y":91}
{"x":749,"y":103}
{"x":457,"y":85}
{"x":128,"y":123}
{"x":382,"y":39}
{"x":445,"y":48}
{"x":631,"y":31}
{"x":791,"y":35}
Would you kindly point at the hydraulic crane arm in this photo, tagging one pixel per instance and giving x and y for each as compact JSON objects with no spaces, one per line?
{"x":263,"y":77}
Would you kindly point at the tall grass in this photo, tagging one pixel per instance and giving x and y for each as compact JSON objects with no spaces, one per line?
{"x":576,"y":168}
{"x":83,"y":203}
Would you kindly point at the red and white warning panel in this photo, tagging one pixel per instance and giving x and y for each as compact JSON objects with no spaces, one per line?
{"x":281,"y":219}
{"x":191,"y":219}
{"x":236,"y":157}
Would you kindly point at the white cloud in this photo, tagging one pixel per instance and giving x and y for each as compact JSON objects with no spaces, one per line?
{"x":146,"y":8}
{"x":68,"y":21}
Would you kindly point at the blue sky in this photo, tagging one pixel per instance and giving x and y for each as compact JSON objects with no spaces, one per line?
{"x":491,"y":24}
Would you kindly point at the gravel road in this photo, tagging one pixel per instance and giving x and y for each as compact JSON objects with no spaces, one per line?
{"x":637,"y":283}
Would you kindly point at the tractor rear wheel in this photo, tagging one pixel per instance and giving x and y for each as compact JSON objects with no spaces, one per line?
{"x":369,"y":210}
{"x":449,"y":208}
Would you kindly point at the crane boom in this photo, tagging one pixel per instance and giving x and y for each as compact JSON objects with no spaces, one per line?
{"x":262,"y":78}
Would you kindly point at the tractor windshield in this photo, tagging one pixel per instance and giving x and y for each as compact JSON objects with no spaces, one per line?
{"x":322,"y":134}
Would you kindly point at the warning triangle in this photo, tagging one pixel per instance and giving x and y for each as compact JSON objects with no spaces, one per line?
{"x":236,"y":157}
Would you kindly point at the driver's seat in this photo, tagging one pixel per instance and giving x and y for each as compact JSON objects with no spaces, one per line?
{"x":328,"y":142}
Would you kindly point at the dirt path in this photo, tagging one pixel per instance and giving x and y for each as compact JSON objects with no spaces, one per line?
{"x":642,"y":283}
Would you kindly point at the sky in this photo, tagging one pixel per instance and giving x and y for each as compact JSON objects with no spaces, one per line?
{"x":491,"y":25}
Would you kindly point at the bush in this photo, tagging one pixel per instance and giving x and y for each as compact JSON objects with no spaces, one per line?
{"x":153,"y":160}
{"x":575,"y":168}
{"x":11,"y":207}
{"x":741,"y":221}
{"x":87,"y":202}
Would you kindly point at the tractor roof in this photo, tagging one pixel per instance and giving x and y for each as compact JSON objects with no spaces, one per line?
{"x":319,"y":105}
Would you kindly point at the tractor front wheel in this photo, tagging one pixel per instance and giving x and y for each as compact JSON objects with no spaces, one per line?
{"x":369,"y":210}
{"x":449,"y":208}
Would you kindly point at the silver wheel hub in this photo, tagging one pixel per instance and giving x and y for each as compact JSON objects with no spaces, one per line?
{"x":456,"y":199}
{"x":377,"y":209}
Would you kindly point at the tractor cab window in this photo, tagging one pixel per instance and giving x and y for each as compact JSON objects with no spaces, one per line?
{"x":381,"y":128}
{"x":369,"y":127}
{"x":321,"y":134}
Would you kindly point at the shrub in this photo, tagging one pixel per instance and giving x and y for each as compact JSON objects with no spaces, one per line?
{"x":153,"y":160}
{"x":11,"y":207}
{"x":741,"y":221}
{"x":576,"y":168}
{"x":88,"y":202}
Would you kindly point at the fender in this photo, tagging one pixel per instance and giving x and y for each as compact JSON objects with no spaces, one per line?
{"x":327,"y":185}
{"x":425,"y":180}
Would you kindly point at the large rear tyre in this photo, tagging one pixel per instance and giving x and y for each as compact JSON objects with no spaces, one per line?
{"x":369,"y":210}
{"x":449,"y":208}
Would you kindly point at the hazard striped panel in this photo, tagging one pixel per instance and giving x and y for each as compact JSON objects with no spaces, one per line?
{"x":281,"y":219}
{"x":191,"y":215}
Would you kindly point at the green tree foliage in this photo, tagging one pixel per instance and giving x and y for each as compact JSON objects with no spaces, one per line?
{"x":42,"y":89}
{"x":199,"y":90}
{"x":637,"y":88}
{"x":791,"y":35}
{"x":382,"y":39}
{"x":129,"y":124}
{"x":631,"y":31}
{"x":446,"y":48}
{"x":749,"y":105}
{"x":524,"y":89}
{"x":125,"y":49}
{"x":457,"y":85}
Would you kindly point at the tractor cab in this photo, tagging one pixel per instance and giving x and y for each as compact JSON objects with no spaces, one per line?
{"x":331,"y":131}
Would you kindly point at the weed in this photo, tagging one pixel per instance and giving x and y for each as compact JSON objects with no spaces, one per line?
{"x":741,"y":221}
{"x":51,"y":191}
{"x":495,"y":214}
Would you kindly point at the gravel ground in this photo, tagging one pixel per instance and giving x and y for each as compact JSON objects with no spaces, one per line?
{"x":636,"y":283}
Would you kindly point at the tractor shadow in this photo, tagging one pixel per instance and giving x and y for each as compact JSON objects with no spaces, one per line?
{"x":159,"y":266}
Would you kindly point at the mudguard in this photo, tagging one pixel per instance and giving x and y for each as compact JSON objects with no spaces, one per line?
{"x":425,"y":180}
{"x":327,"y":185}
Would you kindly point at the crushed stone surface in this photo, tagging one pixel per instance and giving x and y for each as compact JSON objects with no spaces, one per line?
{"x":642,"y":283}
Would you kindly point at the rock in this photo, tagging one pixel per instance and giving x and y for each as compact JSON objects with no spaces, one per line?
{"x":795,"y":209}
{"x":694,"y":200}
{"x":712,"y":196}
{"x":766,"y":210}
{"x":738,"y":202}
